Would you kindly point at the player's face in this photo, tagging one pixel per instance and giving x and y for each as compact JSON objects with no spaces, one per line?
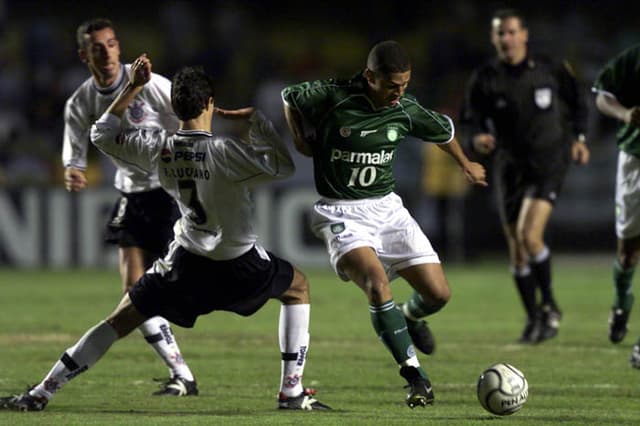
{"x":510,"y":39}
{"x":102,"y":55}
{"x":387,"y":89}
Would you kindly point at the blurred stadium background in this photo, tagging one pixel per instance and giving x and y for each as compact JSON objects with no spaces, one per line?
{"x":255,"y":48}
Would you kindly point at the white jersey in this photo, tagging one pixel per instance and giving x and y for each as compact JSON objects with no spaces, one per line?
{"x":209,"y":177}
{"x":150,"y":108}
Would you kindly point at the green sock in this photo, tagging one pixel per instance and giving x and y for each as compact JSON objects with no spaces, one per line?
{"x":622,"y":279}
{"x":419,"y":308}
{"x":391,"y":327}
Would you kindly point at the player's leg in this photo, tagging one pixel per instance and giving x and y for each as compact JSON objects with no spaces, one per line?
{"x":362,"y":266}
{"x":627,"y":253}
{"x":145,"y":230}
{"x":157,"y":331}
{"x":627,"y":199}
{"x":510,"y":195}
{"x":403,"y":249}
{"x":635,"y":355}
{"x":80,"y":357}
{"x":432,"y":292}
{"x":293,"y":336}
{"x":532,"y":222}
{"x":525,"y":283}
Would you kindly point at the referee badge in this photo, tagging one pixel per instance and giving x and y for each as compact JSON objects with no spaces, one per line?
{"x":542,"y":97}
{"x":345,"y":132}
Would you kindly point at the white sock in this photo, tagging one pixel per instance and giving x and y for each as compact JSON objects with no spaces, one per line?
{"x":411,"y":362}
{"x":157,"y":332}
{"x":542,"y":256}
{"x":77,"y":359}
{"x":293,"y":333}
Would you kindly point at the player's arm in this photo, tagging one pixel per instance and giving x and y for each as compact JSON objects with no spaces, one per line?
{"x":137,"y":147}
{"x":473,"y":118}
{"x":294,"y":122}
{"x":609,"y":105}
{"x":573,"y":96}
{"x":474,"y":172}
{"x":74,"y":146}
{"x":260,"y":154}
{"x":139,"y":75}
{"x":74,"y":179}
{"x":305,"y":105}
{"x":158,"y":94}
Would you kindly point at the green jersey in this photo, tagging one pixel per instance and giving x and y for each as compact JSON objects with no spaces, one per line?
{"x":620,"y":78}
{"x":353,"y":143}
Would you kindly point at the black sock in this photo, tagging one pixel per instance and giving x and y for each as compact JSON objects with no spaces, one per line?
{"x":525,"y":283}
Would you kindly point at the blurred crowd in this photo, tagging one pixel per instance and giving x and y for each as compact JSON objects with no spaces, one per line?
{"x":254,"y":48}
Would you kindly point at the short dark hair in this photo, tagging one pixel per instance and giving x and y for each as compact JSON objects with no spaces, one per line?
{"x":190,"y":92}
{"x":87,"y":27}
{"x":388,"y":57}
{"x":503,"y":14}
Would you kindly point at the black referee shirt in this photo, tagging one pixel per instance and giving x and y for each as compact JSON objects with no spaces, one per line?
{"x":534,"y":109}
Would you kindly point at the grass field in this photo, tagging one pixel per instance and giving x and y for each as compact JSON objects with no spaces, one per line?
{"x":578,"y":378}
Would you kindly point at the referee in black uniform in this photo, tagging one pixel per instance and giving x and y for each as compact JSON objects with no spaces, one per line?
{"x":530,"y":111}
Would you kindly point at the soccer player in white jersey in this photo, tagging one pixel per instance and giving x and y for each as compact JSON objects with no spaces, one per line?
{"x":215,"y":261}
{"x":142,"y":219}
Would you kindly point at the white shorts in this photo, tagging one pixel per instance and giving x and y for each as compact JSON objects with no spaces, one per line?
{"x":380,"y":223}
{"x":627,"y":196}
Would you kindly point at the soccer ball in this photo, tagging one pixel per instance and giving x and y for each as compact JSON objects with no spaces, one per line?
{"x":502,"y":389}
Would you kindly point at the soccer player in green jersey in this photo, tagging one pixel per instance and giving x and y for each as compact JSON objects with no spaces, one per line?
{"x":351,"y":129}
{"x":618,"y":96}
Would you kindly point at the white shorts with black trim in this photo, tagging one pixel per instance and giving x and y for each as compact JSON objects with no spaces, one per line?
{"x":383,"y":224}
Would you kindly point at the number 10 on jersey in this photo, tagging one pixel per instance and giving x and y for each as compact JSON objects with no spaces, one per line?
{"x":362,"y":176}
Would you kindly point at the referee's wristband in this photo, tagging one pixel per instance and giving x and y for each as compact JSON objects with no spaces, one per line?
{"x":581,"y":138}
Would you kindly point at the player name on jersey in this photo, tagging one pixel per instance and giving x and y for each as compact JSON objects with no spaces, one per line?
{"x":187,"y":173}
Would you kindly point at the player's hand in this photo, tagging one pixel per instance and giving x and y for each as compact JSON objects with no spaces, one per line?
{"x":580,"y":153}
{"x":140,"y":72}
{"x":74,"y":179}
{"x":476,"y":174}
{"x":234,"y":114}
{"x":632,"y":116}
{"x":484,"y":143}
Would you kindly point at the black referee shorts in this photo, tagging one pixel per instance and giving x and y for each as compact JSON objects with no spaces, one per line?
{"x":143,"y":219}
{"x":519,"y":180}
{"x":195,"y":285}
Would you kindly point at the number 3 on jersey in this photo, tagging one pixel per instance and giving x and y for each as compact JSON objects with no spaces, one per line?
{"x":363,"y":176}
{"x":189,"y":195}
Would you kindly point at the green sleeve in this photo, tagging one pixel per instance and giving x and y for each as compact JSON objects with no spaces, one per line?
{"x":618,"y":75}
{"x":311,"y":99}
{"x":430,"y":126}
